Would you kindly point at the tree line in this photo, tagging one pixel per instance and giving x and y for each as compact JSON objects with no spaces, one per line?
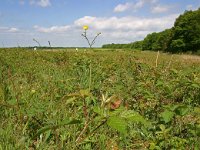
{"x":184,"y":36}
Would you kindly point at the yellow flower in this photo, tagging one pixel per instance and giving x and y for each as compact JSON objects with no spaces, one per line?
{"x":85,"y":27}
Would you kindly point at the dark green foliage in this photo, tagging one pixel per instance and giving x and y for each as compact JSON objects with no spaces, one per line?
{"x":183,"y":37}
{"x":135,"y":46}
{"x":157,"y":41}
{"x":186,"y":32}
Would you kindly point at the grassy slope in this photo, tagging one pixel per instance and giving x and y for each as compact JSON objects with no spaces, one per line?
{"x":35,"y":88}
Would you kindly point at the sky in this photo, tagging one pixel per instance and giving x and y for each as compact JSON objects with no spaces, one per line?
{"x":61,"y":21}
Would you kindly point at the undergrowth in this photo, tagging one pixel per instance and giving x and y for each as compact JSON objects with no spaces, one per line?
{"x":98,"y":100}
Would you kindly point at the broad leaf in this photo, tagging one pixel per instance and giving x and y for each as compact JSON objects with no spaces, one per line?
{"x":133,"y":116}
{"x":182,"y":110}
{"x":167,"y":116}
{"x":117,"y":123}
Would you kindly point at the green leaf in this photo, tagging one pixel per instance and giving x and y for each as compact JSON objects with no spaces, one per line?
{"x":48,"y":133}
{"x":152,"y":146}
{"x":133,"y":116}
{"x":172,"y":107}
{"x":197,"y":110}
{"x":117,"y":123}
{"x":159,"y":83}
{"x":162,"y":127}
{"x":182,"y":110}
{"x":117,"y":111}
{"x":85,"y":93}
{"x":194,"y":85}
{"x":12,"y":102}
{"x":71,"y":100}
{"x":167,"y":115}
{"x":98,"y":110}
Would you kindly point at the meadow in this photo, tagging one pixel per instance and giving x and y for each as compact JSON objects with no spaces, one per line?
{"x":98,"y":99}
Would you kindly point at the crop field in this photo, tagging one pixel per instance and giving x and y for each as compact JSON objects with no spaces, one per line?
{"x":98,"y":99}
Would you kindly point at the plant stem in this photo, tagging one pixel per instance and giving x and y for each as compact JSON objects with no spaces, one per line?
{"x":94,"y":39}
{"x":83,"y":131}
{"x":90,"y":79}
{"x":169,"y":63}
{"x":93,"y":131}
{"x":157,"y":59}
{"x":85,"y":36}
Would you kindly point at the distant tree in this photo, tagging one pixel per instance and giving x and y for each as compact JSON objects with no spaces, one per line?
{"x":136,"y":45}
{"x":161,"y":40}
{"x":187,"y":31}
{"x":150,"y":41}
{"x":177,"y":45}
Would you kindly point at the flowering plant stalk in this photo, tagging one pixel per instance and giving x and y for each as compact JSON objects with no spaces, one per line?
{"x":84,"y":34}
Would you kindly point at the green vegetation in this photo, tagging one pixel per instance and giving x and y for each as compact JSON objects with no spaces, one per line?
{"x":183,"y":37}
{"x":135,"y":45}
{"x":98,"y":100}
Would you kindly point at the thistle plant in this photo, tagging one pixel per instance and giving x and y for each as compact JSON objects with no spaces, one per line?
{"x":49,"y":43}
{"x":37,"y":42}
{"x":84,"y":34}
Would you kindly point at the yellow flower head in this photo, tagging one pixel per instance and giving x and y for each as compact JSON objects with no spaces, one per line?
{"x":85,"y":27}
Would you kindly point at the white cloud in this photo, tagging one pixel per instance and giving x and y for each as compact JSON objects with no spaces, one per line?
{"x":133,"y":6}
{"x":13,"y":30}
{"x":53,"y":29}
{"x":124,"y":29}
{"x":8,"y":29}
{"x":42,"y":3}
{"x":122,"y":7}
{"x":127,"y":23}
{"x":160,"y":9}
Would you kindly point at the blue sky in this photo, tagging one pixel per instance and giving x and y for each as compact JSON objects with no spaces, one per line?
{"x":61,"y":21}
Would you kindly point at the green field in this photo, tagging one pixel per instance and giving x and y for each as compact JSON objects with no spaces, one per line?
{"x":98,"y":99}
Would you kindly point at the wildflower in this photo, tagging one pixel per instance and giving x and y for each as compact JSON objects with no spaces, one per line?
{"x":85,"y":27}
{"x":84,"y":34}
